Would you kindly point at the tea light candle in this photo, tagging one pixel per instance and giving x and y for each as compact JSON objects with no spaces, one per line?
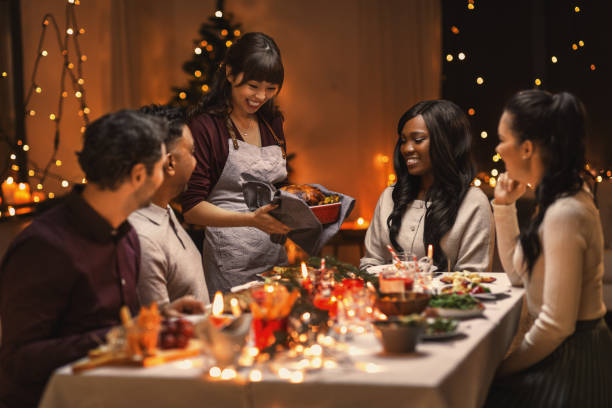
{"x":22,"y":194}
{"x":306,"y":282}
{"x":8,"y":190}
{"x":217,"y":318}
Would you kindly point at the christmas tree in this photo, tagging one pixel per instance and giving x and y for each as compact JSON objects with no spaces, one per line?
{"x":216,"y":36}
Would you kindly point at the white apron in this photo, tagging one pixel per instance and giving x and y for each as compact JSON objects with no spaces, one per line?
{"x":234,"y":255}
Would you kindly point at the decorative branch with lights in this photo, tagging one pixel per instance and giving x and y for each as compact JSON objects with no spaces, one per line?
{"x":17,"y":194}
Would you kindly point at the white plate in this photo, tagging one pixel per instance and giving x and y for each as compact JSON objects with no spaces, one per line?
{"x":459,"y":313}
{"x":376,"y":270}
{"x":492,"y":295}
{"x":440,"y":336}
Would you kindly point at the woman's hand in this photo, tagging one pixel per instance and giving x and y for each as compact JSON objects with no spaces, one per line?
{"x":507,"y":191}
{"x":265,"y":222}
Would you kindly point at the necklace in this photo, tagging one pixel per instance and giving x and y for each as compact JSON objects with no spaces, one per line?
{"x":244,"y":132}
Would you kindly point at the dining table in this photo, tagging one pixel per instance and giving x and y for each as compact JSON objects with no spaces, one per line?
{"x":451,"y":372}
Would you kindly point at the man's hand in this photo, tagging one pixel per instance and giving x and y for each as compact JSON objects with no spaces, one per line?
{"x":184,"y":305}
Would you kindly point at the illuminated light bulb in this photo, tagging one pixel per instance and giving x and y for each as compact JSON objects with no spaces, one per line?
{"x":19,"y":142}
{"x":83,"y":58}
{"x":4,"y":74}
{"x":470,"y":6}
{"x":86,"y":110}
{"x":69,"y":31}
{"x":449,"y":57}
{"x":581,"y":43}
{"x":38,"y":89}
{"x":538,"y":82}
{"x":592,"y":67}
{"x":554,"y":59}
{"x":214,"y":372}
{"x":496,"y":157}
{"x":204,"y":43}
{"x":198,"y":50}
{"x":39,"y":186}
{"x":471,"y":111}
{"x":52,"y":116}
{"x":454,"y":30}
{"x":81,"y":81}
{"x":26,"y":148}
{"x":574,"y":47}
{"x":51,"y":195}
{"x":484,"y":134}
{"x":218,"y":13}
{"x":64,"y":94}
{"x":492,"y":182}
{"x":10,"y":180}
{"x":204,"y":88}
{"x":58,"y":162}
{"x":228,"y":44}
{"x":32,"y":112}
{"x":182,"y":95}
{"x":81,"y":31}
{"x":224,"y":32}
{"x":11,"y":211}
{"x":237,"y":33}
{"x":209,"y":48}
{"x":296,"y":377}
{"x":284,"y":373}
{"x":477,"y":182}
{"x":83,"y":180}
{"x":255,"y":376}
{"x":15,"y":167}
{"x":494,"y":172}
{"x":198,"y":73}
{"x":360,"y":221}
{"x":65,"y":183}
{"x":44,"y":53}
{"x":78,"y":94}
{"x":479,"y":80}
{"x":13,"y":157}
{"x":461,"y":56}
{"x":70,"y":65}
{"x":577,"y":9}
{"x":228,"y":374}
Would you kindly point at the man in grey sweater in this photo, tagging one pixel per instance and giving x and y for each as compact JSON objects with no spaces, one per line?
{"x":171,"y":265}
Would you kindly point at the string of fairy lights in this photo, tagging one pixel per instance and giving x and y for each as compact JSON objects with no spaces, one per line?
{"x":17,"y":197}
{"x":576,"y":45}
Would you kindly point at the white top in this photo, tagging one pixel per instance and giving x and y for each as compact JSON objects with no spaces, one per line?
{"x":566,"y":281}
{"x":468,"y":245}
{"x":171,"y":265}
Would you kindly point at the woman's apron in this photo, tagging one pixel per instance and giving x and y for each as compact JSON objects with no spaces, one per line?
{"x":234,"y":255}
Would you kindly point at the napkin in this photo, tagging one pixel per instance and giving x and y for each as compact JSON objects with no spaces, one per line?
{"x":306,"y":230}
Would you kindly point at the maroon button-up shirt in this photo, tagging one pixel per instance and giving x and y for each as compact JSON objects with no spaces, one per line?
{"x":62,"y":283}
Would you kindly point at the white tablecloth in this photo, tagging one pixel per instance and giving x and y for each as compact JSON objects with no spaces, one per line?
{"x":452,"y":373}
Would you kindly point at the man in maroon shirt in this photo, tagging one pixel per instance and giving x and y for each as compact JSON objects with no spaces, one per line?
{"x":65,"y":277}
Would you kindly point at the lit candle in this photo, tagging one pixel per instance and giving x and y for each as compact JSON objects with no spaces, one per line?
{"x":217,"y":318}
{"x":430,"y":251}
{"x":236,"y":311}
{"x":306,"y":282}
{"x":22,"y":194}
{"x":8,"y":190}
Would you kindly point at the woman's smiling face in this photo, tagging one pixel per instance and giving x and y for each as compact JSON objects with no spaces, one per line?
{"x":252,"y":95}
{"x":415,"y":146}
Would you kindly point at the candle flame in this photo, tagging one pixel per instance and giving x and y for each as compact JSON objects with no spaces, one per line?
{"x":217,"y":308}
{"x":430,"y":251}
{"x":236,"y":311}
{"x":304,"y":271}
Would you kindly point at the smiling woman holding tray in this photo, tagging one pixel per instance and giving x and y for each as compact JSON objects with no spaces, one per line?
{"x":238,"y":133}
{"x":432,"y":201}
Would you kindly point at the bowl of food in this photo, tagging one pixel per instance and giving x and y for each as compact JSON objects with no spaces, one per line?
{"x":400,"y":335}
{"x":397,"y":305}
{"x":325,"y":207}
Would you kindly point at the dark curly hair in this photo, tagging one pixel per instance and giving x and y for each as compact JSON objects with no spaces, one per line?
{"x":175,"y":117}
{"x":556,"y":124}
{"x":453,"y":171}
{"x":257,"y":56}
{"x":116,"y":142}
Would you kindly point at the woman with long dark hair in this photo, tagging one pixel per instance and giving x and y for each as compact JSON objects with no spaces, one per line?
{"x":565,"y":359}
{"x":238,"y":135}
{"x":432,"y":201}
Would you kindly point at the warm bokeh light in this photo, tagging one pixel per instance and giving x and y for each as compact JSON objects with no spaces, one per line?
{"x":198,"y":50}
{"x":217,"y":307}
{"x":484,"y":134}
{"x":538,"y":82}
{"x":479,"y":80}
{"x":554,"y":59}
{"x":461,"y":56}
{"x":592,"y":67}
{"x":455,"y":30}
{"x":471,"y":111}
{"x":449,"y":57}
